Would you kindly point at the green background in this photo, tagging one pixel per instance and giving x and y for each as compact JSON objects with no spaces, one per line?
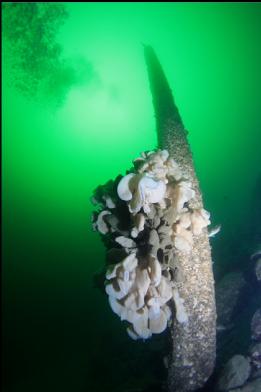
{"x":89,"y":115}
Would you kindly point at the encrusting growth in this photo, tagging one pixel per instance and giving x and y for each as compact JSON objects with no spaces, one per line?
{"x":141,"y":285}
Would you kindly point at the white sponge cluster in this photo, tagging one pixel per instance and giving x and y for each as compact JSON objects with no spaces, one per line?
{"x":139,"y":296}
{"x":158,"y":222}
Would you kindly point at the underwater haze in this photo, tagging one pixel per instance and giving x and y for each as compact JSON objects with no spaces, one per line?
{"x":77,"y":109}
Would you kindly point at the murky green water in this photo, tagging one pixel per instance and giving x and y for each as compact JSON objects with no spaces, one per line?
{"x":76,"y":110}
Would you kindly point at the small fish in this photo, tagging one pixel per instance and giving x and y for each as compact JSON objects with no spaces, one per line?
{"x":214,"y":231}
{"x":221,"y":328}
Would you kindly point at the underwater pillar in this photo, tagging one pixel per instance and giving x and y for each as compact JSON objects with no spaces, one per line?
{"x":193,"y":349}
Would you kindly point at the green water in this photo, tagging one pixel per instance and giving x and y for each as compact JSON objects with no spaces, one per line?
{"x":76,"y":110}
